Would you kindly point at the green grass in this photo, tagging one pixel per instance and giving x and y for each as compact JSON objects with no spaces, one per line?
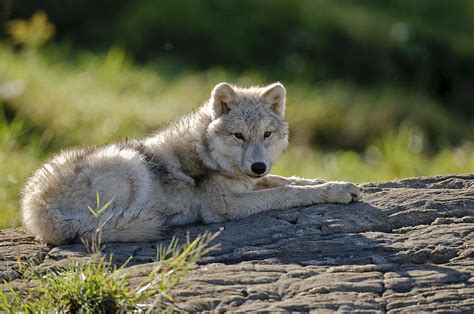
{"x":398,"y":155}
{"x":95,"y":285}
{"x":338,"y":132}
{"x":20,"y":152}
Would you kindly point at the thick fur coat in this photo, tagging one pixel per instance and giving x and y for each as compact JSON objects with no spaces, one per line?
{"x":208,"y":166}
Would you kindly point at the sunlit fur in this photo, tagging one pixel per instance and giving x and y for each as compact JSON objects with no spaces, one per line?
{"x":194,"y":170}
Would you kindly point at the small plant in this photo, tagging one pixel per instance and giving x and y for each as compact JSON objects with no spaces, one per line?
{"x":94,"y":247}
{"x":176,"y":261}
{"x":98,"y":286}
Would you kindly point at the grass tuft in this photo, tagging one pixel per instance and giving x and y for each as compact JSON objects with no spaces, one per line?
{"x":96,"y":285}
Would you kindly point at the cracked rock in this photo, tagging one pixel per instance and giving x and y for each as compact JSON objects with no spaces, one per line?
{"x":406,"y":247}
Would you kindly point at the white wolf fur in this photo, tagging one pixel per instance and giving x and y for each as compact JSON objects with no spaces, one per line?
{"x":200,"y":168}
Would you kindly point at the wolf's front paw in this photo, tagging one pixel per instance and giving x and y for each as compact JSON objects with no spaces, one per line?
{"x":343,"y":192}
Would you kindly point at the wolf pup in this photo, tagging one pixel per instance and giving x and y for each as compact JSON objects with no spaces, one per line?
{"x":209,"y":166}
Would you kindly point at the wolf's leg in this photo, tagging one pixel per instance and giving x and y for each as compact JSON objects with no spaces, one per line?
{"x":273,"y":181}
{"x":240,"y":205}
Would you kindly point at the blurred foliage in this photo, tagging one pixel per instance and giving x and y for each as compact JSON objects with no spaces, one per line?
{"x":376,"y":89}
{"x":51,"y":101}
{"x":31,"y":33}
{"x":423,"y":45}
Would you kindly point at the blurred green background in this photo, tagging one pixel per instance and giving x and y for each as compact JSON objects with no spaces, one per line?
{"x":376,"y":89}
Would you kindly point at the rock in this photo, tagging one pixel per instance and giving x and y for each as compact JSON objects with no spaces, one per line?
{"x":407,"y":246}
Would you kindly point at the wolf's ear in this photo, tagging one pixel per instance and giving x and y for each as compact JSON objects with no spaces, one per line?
{"x":222,"y":97}
{"x":274,"y":96}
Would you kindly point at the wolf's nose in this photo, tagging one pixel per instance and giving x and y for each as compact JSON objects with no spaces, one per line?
{"x":258,"y":167}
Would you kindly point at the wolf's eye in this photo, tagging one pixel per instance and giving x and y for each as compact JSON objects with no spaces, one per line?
{"x":267,"y":134}
{"x":239,"y":136}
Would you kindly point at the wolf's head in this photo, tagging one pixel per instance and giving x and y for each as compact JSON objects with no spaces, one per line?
{"x":248,"y":131}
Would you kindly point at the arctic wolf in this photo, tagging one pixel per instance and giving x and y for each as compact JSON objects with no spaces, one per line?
{"x":209,"y":166}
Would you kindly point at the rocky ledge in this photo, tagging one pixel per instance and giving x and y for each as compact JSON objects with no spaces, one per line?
{"x":407,"y":246}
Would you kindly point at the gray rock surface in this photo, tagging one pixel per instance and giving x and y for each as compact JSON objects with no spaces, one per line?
{"x":407,"y":246}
